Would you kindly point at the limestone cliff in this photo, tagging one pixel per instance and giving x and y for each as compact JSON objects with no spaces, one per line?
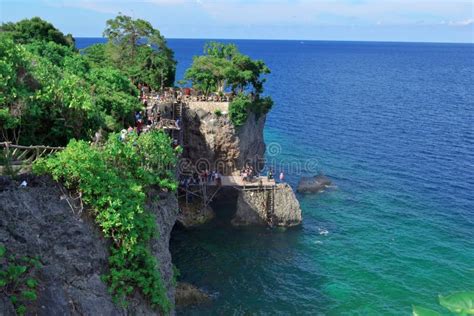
{"x":213,"y":138}
{"x":265,"y":207}
{"x":37,"y":221}
{"x":210,"y":138}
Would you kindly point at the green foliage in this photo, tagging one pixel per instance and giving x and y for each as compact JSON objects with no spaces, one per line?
{"x":176,"y":275}
{"x":239,"y":109}
{"x":16,"y":279}
{"x":36,"y":29}
{"x":218,"y":112}
{"x":139,"y":50}
{"x":51,"y":51}
{"x":223,"y":67}
{"x":115,"y":95}
{"x":50,"y":94}
{"x":97,"y":55}
{"x":112,"y":181}
{"x":242,"y":105}
{"x":459,"y":303}
{"x":6,"y":165}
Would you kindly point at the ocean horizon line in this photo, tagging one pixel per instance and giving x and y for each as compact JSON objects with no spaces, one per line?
{"x":300,"y":40}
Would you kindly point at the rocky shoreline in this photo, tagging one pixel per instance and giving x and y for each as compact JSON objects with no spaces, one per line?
{"x":38,"y":220}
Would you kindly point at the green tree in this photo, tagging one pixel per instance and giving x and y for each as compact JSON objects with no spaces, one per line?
{"x":36,"y":29}
{"x":16,"y":86}
{"x":140,"y":51}
{"x":49,"y":93}
{"x":97,"y":55}
{"x":223,"y":67}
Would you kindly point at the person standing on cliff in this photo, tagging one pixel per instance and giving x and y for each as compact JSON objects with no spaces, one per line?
{"x":282,"y":176}
{"x":270,"y":174}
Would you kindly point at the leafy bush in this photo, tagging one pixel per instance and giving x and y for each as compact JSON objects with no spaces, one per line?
{"x":36,"y":29}
{"x":223,"y":67}
{"x":50,"y":93}
{"x":16,"y":279}
{"x":176,"y":275}
{"x":218,"y":112}
{"x":242,"y":105}
{"x":7,"y":168}
{"x":239,"y":109}
{"x":112,"y":181}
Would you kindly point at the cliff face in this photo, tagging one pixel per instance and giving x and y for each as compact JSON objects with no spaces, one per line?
{"x":213,"y":138}
{"x":278,"y":208}
{"x":37,"y":221}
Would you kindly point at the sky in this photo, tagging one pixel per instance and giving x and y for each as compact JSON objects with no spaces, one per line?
{"x":356,"y":20}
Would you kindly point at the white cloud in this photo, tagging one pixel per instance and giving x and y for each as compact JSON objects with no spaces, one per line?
{"x":466,"y":22}
{"x":342,"y":12}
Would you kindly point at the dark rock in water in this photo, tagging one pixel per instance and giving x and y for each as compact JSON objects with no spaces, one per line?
{"x":187,"y":294}
{"x":313,"y":184}
{"x":195,"y":215}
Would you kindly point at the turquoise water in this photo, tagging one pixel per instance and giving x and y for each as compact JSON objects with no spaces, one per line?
{"x":392,"y":125}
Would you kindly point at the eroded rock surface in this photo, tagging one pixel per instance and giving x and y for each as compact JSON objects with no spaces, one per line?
{"x":264,"y":207}
{"x":213,"y":138}
{"x":37,"y":221}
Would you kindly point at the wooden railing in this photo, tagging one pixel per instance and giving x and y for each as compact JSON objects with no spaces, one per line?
{"x":17,"y":155}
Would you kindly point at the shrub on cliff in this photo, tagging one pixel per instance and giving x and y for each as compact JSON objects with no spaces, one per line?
{"x":112,"y":181}
{"x":17,"y":279}
{"x":223,"y":67}
{"x":242,"y":105}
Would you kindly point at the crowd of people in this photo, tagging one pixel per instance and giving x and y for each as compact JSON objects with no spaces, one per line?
{"x":248,"y":174}
{"x":205,"y":177}
{"x":144,"y":122}
{"x":181,"y":94}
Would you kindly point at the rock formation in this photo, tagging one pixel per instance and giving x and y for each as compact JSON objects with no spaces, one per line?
{"x":187,"y":294}
{"x":210,"y":137}
{"x":213,"y":138}
{"x":313,"y":184}
{"x":37,"y":221}
{"x":265,"y":207}
{"x":194,"y":215}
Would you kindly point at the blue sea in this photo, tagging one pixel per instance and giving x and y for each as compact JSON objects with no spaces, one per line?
{"x":392,"y":124}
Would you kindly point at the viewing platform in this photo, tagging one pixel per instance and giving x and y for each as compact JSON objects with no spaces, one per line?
{"x":238,"y":181}
{"x":210,"y":103}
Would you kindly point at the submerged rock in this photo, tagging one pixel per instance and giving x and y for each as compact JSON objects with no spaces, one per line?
{"x":194,"y":215}
{"x":313,"y":184}
{"x":260,"y":207}
{"x":187,"y":294}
